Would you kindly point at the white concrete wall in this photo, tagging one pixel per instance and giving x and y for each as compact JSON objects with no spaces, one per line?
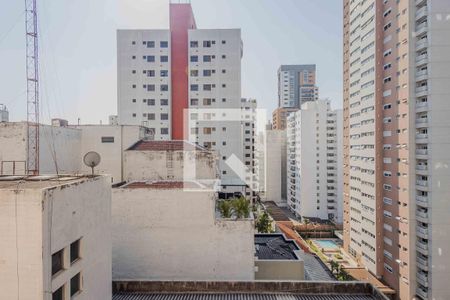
{"x":37,"y":222}
{"x":275,"y":152}
{"x":111,"y":153}
{"x":174,"y":235}
{"x":13,"y":147}
{"x":152,"y":165}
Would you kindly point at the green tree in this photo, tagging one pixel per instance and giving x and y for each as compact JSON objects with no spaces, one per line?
{"x":225,"y":209}
{"x":334,"y":266}
{"x":241,"y":207}
{"x":264,"y":223}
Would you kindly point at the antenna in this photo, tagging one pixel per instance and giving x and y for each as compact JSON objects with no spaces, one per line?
{"x":92,"y":159}
{"x":32,"y":64}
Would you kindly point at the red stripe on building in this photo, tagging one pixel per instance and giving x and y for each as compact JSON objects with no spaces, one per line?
{"x":181,"y":20}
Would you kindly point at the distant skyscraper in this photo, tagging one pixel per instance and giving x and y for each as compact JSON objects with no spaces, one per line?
{"x":185,"y":84}
{"x":396,"y":142}
{"x":296,"y":85}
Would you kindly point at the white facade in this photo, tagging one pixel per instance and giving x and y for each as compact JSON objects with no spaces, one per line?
{"x":65,"y":218}
{"x":143,"y":80}
{"x":4,"y":114}
{"x":313,"y":169}
{"x":275,"y":166}
{"x":174,"y":234}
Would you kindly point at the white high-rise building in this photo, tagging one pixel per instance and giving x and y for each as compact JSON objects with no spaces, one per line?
{"x":314,"y":162}
{"x":184,"y":83}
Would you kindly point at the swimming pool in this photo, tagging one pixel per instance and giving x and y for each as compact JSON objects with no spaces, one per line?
{"x":326,"y":244}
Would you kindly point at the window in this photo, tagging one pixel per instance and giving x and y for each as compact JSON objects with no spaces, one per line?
{"x":75,"y":247}
{"x":133,"y":86}
{"x":133,"y":72}
{"x":75,"y":284}
{"x":133,"y":57}
{"x":206,"y":44}
{"x":150,"y":87}
{"x":164,"y":87}
{"x":134,"y":100}
{"x":224,"y":56}
{"x":224,"y":71}
{"x":133,"y":43}
{"x":134,"y":115}
{"x":164,"y":73}
{"x":224,"y":42}
{"x":206,"y":73}
{"x":207,"y":101}
{"x":194,"y":58}
{"x":194,"y":44}
{"x":57,"y":261}
{"x":150,"y":44}
{"x":194,"y":101}
{"x":206,"y":58}
{"x":150,"y":58}
{"x":164,"y":102}
{"x":206,"y":87}
{"x":164,"y":116}
{"x":164,"y":44}
{"x":194,"y":73}
{"x":194,"y":87}
{"x":164,"y":130}
{"x":107,"y":139}
{"x":164,"y":58}
{"x":150,"y":116}
{"x":150,"y":73}
{"x":58,"y":294}
{"x":151,"y":102}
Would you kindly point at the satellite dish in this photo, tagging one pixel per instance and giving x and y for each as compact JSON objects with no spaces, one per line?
{"x":91,"y":159}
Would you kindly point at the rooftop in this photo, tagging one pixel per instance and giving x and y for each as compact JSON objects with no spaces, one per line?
{"x":40,"y":181}
{"x":174,"y":145}
{"x":254,"y":290}
{"x":170,"y":184}
{"x":275,"y":246}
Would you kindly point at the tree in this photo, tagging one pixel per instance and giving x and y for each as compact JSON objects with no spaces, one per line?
{"x":334,"y":267}
{"x":225,"y":209}
{"x":241,"y":207}
{"x":264,"y":224}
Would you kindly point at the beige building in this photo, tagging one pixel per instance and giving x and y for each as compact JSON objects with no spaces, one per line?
{"x":56,"y":238}
{"x":277,"y":258}
{"x":396,"y":149}
{"x":279,"y":117}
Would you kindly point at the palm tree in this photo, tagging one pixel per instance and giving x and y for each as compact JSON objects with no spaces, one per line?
{"x":264,"y":224}
{"x":241,"y":207}
{"x":225,"y":209}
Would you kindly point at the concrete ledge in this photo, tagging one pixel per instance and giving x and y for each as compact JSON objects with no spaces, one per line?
{"x":293,"y":287}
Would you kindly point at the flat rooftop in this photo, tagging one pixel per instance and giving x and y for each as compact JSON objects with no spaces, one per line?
{"x":249,"y":290}
{"x":170,"y":185}
{"x":175,"y":145}
{"x":40,"y":181}
{"x":275,"y":246}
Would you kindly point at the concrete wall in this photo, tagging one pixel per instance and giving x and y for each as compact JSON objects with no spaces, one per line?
{"x":37,"y":222}
{"x":275,"y":163}
{"x":279,"y":270}
{"x":13,"y":147}
{"x":153,"y":165}
{"x":174,"y":235}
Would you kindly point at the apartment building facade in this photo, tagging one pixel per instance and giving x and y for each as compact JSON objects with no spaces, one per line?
{"x":184,"y":83}
{"x":396,"y":62}
{"x":296,"y":85}
{"x":314,"y":162}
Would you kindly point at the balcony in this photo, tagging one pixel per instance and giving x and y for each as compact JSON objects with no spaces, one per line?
{"x":421,"y":13}
{"x":422,"y":247}
{"x":421,"y":138}
{"x":422,"y":75}
{"x":421,"y":106}
{"x":422,"y":263}
{"x":422,"y":232}
{"x":422,"y":153}
{"x":422,"y":216}
{"x":422,"y":201}
{"x":421,"y":91}
{"x":421,"y":28}
{"x":422,"y":293}
{"x":421,"y":44}
{"x":422,"y":169}
{"x":422,"y":278}
{"x":421,"y":122}
{"x":421,"y":59}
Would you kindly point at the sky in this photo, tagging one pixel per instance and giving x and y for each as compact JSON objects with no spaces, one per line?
{"x":78,"y":49}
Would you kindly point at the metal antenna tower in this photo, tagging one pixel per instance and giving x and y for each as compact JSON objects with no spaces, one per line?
{"x":32,"y":63}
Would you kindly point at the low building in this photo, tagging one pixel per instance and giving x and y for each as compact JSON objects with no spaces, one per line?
{"x":169,"y":230}
{"x":55,"y":237}
{"x":277,"y":258}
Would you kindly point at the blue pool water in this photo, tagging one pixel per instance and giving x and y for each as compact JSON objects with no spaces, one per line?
{"x":330,"y":244}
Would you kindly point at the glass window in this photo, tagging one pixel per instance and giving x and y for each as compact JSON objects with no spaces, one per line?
{"x":194,"y":87}
{"x":194,"y":101}
{"x":75,"y":284}
{"x":164,"y":130}
{"x":57,"y":261}
{"x":194,"y":44}
{"x":164,"y":58}
{"x":164,"y":116}
{"x":206,"y":58}
{"x":150,"y":44}
{"x":164,"y":73}
{"x":194,"y":58}
{"x":151,"y":102}
{"x":207,"y":73}
{"x":105,"y":139}
{"x":206,"y":44}
{"x":150,"y":73}
{"x":58,"y":294}
{"x":194,"y":73}
{"x":150,"y":116}
{"x":164,"y":102}
{"x":164,"y":44}
{"x":150,"y":58}
{"x":150,"y":87}
{"x":164,"y":87}
{"x":206,"y":87}
{"x":75,"y":246}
